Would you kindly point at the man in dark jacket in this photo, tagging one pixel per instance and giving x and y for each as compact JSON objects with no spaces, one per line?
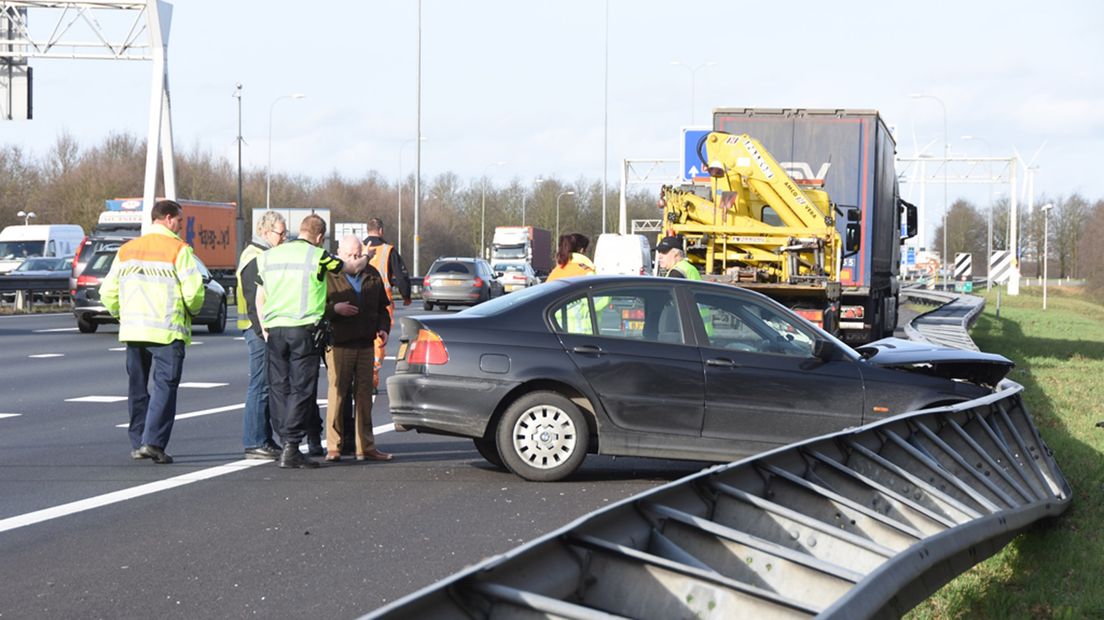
{"x":389,"y":263}
{"x":357,"y":308}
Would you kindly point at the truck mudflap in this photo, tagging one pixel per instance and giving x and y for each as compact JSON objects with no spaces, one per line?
{"x":863,"y":523}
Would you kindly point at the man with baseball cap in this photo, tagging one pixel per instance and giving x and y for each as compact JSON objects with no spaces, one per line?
{"x":673,"y":259}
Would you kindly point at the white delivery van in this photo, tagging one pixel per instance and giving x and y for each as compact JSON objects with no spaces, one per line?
{"x":18,"y":243}
{"x":623,"y":254}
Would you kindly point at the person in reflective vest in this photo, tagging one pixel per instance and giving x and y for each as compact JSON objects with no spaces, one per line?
{"x":291,"y":299}
{"x":389,"y":263}
{"x":154,"y":288}
{"x":673,"y":259}
{"x":570,"y":257}
{"x":256,"y":420}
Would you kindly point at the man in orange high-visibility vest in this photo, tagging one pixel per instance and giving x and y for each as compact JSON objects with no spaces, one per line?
{"x":390,"y":264}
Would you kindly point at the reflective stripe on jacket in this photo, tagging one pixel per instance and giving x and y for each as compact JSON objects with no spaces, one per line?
{"x":295,"y":292}
{"x":248,"y":255}
{"x":154,"y":288}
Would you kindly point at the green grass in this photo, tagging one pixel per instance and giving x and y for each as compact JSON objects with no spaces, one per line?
{"x":1056,"y":569}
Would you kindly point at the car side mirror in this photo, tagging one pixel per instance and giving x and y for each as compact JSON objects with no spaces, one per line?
{"x":823,"y":349}
{"x":499,"y":274}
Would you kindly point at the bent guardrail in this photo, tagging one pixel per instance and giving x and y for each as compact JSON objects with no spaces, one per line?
{"x":864,"y":523}
{"x":948,"y":324}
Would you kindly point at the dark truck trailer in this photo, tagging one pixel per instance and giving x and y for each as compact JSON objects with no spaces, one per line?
{"x":851,"y":153}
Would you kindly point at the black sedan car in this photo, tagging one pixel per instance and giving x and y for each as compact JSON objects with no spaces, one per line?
{"x":654,"y":367}
{"x":91,"y":313}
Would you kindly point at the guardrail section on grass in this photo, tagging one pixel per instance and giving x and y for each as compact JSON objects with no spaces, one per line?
{"x":949,"y":324}
{"x":858,"y":524}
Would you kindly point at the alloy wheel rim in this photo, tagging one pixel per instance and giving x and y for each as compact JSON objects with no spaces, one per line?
{"x":544,"y":436}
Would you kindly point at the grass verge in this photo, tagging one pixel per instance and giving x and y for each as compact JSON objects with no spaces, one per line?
{"x":1055,"y":569}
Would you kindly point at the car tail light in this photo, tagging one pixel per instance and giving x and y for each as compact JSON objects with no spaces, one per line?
{"x":477,"y":282}
{"x":76,"y":257}
{"x":425,"y":282}
{"x":427,"y":348}
{"x":84,"y":280}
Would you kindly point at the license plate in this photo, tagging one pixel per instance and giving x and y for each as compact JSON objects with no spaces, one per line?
{"x":402,"y":351}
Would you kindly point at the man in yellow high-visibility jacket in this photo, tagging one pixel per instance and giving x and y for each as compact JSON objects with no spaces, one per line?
{"x":389,"y":263}
{"x":291,"y":299}
{"x":256,"y":419}
{"x":154,"y":288}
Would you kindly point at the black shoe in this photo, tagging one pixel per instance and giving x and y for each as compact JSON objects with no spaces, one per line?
{"x":158,"y":455}
{"x":315,"y":449}
{"x":137,"y":455}
{"x":272,"y":444}
{"x":291,"y":458}
{"x":265,"y":451}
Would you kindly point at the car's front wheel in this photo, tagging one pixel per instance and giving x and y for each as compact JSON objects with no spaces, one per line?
{"x":489,"y":451}
{"x":86,"y":326}
{"x":219,"y":325}
{"x":542,"y":437}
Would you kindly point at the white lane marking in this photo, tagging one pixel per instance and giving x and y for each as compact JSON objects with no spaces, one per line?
{"x":64,"y":510}
{"x":240,"y":338}
{"x":10,"y":415}
{"x":117,"y":349}
{"x":389,"y":357}
{"x":96,"y":399}
{"x":195,"y":342}
{"x":56,"y":329}
{"x":39,"y":356}
{"x":196,"y":414}
{"x":201,"y":385}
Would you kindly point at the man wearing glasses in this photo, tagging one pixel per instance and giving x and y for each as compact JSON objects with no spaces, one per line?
{"x":257,"y":421}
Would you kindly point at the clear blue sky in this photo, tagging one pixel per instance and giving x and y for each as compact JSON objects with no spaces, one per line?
{"x":523,"y":81}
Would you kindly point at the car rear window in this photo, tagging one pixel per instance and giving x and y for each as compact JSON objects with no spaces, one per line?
{"x":100,"y":263}
{"x":452,"y":267}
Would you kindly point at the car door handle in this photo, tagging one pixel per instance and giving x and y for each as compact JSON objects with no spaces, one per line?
{"x":721,"y":362}
{"x":588,"y":349}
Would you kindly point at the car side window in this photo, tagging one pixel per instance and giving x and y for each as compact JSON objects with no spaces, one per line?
{"x":649,"y":314}
{"x":742,"y":325}
{"x":573,"y":317}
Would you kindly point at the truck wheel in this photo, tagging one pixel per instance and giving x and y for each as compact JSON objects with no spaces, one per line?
{"x":219,"y":325}
{"x":428,"y":305}
{"x":87,"y":327}
{"x":444,"y":306}
{"x":542,"y":437}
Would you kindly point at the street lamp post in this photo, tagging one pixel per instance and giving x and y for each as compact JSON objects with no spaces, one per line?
{"x":946,"y":154}
{"x":524,"y":193}
{"x":1046,"y":247}
{"x":399,"y":224}
{"x":26,"y":215}
{"x":268,"y":168}
{"x":241,"y":208}
{"x":693,"y":82}
{"x":483,"y":212}
{"x":989,"y":243}
{"x":562,"y":194}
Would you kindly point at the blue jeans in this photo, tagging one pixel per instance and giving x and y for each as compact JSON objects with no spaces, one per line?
{"x":152,"y":413}
{"x":256,"y":422}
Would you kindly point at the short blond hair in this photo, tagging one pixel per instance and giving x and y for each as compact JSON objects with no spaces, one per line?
{"x":268,"y":222}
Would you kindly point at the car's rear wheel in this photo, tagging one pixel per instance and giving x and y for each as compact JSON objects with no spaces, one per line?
{"x":219,"y":325}
{"x":489,"y":451}
{"x":86,"y":326}
{"x":428,"y":305}
{"x":542,"y":437}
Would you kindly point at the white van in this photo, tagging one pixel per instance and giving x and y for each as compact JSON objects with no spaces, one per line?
{"x":623,"y":255}
{"x":18,"y":243}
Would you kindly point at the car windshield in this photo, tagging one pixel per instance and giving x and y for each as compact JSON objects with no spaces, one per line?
{"x":510,"y":267}
{"x":41,"y":264}
{"x":506,"y":302}
{"x":452,"y":267}
{"x":21,"y":249}
{"x":516,"y":251}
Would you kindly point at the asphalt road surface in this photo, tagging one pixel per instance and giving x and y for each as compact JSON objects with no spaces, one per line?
{"x":86,"y":532}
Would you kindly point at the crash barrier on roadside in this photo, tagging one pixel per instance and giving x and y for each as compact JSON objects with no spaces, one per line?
{"x":948,"y":324}
{"x":864,"y":523}
{"x":22,"y":289}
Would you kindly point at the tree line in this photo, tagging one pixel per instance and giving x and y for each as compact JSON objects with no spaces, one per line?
{"x":68,"y":184}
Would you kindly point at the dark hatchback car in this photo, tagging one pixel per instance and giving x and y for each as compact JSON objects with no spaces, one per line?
{"x":458,"y":281}
{"x":655,"y":367}
{"x":91,"y":313}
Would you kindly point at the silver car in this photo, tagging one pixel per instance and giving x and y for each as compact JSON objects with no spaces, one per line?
{"x":459,"y":281}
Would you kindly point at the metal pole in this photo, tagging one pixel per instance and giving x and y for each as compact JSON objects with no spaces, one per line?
{"x":401,"y":147}
{"x":605,"y":125}
{"x":418,"y":150}
{"x":241,"y":207}
{"x":1046,"y":248}
{"x":989,"y":243}
{"x":268,"y":166}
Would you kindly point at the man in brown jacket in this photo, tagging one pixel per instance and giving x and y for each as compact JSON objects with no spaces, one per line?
{"x":357,"y":309}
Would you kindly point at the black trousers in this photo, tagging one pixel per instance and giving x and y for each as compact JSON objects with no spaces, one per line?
{"x":293,"y":381}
